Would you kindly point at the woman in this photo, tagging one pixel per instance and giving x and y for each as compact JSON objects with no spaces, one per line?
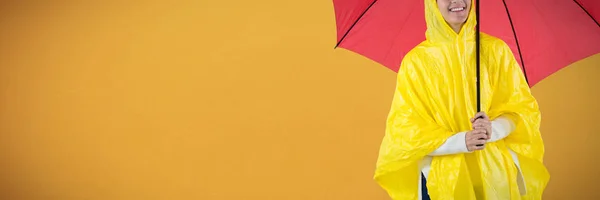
{"x":433,"y":133}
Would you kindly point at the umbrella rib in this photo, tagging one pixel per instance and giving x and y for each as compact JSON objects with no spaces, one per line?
{"x":355,"y":22}
{"x":512,"y":26}
{"x":588,"y":13}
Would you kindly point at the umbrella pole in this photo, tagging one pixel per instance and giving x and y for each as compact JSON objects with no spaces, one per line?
{"x":477,"y":49}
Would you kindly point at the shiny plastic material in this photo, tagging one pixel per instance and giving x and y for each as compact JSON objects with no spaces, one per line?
{"x":435,"y":97}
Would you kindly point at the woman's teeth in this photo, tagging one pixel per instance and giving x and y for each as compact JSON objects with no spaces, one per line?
{"x":457,"y":9}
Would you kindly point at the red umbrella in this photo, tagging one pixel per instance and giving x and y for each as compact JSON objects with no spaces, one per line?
{"x":544,"y":35}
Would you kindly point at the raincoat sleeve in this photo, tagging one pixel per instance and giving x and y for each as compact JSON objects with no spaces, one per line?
{"x":512,"y":98}
{"x":411,"y":133}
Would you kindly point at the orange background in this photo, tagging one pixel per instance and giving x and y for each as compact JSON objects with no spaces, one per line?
{"x":218,"y":100}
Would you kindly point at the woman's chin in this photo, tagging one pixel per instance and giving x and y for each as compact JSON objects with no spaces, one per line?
{"x":457,"y":21}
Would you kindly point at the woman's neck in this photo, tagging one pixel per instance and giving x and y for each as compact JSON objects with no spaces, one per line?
{"x":456,"y":27}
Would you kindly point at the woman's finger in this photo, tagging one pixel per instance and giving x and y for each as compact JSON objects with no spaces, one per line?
{"x":481,"y":142}
{"x":486,"y":117}
{"x":478,"y":146}
{"x":479,"y":115}
{"x":479,"y":132}
{"x":482,"y":136}
{"x":482,"y":122}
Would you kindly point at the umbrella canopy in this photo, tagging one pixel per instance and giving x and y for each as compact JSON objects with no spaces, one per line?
{"x":544,"y":35}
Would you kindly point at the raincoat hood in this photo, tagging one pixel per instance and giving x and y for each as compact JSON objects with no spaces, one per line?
{"x":438,"y":30}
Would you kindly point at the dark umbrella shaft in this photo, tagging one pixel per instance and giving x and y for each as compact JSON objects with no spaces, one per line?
{"x":477,"y":51}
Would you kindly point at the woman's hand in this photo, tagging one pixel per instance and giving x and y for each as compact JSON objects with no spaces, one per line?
{"x":482,"y":122}
{"x":474,"y":141}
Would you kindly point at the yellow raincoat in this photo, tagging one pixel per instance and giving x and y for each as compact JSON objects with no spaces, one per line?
{"x":435,"y":97}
